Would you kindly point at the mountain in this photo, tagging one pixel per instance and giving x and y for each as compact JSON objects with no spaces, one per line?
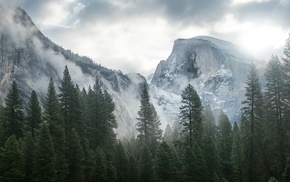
{"x":216,"y":68}
{"x":30,"y":58}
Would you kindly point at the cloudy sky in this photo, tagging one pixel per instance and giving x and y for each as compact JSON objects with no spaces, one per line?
{"x":134,"y":35}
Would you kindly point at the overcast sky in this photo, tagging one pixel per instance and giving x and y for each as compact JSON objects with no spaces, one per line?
{"x":134,"y":35}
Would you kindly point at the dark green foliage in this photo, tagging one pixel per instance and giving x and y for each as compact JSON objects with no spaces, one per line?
{"x":70,"y":105}
{"x":201,"y":170}
{"x":168,"y":134}
{"x":189,"y":165}
{"x":190,"y":114}
{"x":44,"y":160}
{"x":122,"y":163}
{"x":13,"y":116}
{"x":66,"y":99}
{"x":52,"y":110}
{"x":75,"y":157}
{"x":287,"y":171}
{"x":33,"y":118}
{"x":148,"y":123}
{"x":11,"y":161}
{"x":164,"y":163}
{"x":252,"y":112}
{"x":100,"y":119}
{"x":111,"y":170}
{"x":146,"y":165}
{"x":276,"y":103}
{"x":89,"y":161}
{"x":28,"y":149}
{"x":101,"y":166}
{"x":210,"y":151}
{"x":53,"y":117}
{"x":225,"y":146}
{"x":236,"y":155}
{"x":132,"y":169}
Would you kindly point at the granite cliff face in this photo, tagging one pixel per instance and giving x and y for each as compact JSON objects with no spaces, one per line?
{"x":216,"y":68}
{"x":30,"y":58}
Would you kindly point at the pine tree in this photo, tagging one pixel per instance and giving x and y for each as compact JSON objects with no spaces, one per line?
{"x":190,"y":114}
{"x":33,"y":114}
{"x":236,"y":155}
{"x":168,"y":134}
{"x":28,"y":149}
{"x":92,"y":122}
{"x":252,"y":112}
{"x":75,"y":129}
{"x":101,"y":119}
{"x":163,"y":164}
{"x":276,"y":107}
{"x":286,"y":173}
{"x":109,"y":123}
{"x":225,"y":145}
{"x":53,"y":117}
{"x":101,"y":166}
{"x":146,"y":165}
{"x":286,"y":59}
{"x":76,"y":157}
{"x":148,"y":123}
{"x":70,"y":105}
{"x":201,"y":170}
{"x":209,"y":147}
{"x":11,"y":161}
{"x":122,"y":163}
{"x":89,"y":161}
{"x":43,"y":168}
{"x":189,"y":168}
{"x":13,"y":116}
{"x":133,"y":171}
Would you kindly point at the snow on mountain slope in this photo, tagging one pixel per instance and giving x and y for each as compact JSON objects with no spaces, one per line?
{"x":30,"y":58}
{"x":216,"y":68}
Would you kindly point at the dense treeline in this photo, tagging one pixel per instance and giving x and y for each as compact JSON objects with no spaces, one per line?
{"x":71,"y":137}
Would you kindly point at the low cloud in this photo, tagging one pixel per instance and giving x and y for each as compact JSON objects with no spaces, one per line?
{"x":134,"y":35}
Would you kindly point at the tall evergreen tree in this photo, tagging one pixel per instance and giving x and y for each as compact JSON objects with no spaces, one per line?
{"x":133,"y":171}
{"x":28,"y":149}
{"x":11,"y":161}
{"x":109,"y":123}
{"x":13,"y":116}
{"x":43,"y":168}
{"x":101,"y":166}
{"x":225,"y":145}
{"x":276,"y":106}
{"x":54,"y":119}
{"x":209,"y":146}
{"x":148,"y":122}
{"x":286,"y":58}
{"x":76,"y":157}
{"x":190,"y":114}
{"x":286,"y":173}
{"x":70,"y":104}
{"x":252,"y":112}
{"x":189,"y":168}
{"x":201,"y":170}
{"x":122,"y":163}
{"x":146,"y":165}
{"x":33,"y":114}
{"x":236,"y":155}
{"x":163,"y":164}
{"x":167,"y":137}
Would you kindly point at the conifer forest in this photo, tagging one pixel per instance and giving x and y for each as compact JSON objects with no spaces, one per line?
{"x":70,"y":137}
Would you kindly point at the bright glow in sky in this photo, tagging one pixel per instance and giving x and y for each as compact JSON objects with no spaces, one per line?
{"x":258,"y":40}
{"x":133,"y":36}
